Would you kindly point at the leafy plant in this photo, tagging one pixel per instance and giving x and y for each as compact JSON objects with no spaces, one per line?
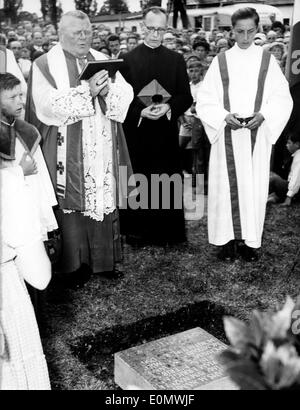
{"x":265,"y":353}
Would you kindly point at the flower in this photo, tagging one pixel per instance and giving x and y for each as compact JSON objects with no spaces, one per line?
{"x":265,"y":354}
{"x":281,"y":366}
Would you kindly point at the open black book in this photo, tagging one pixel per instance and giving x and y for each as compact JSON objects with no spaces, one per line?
{"x":93,"y":67}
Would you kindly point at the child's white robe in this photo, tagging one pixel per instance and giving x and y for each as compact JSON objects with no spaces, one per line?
{"x":252,"y":171}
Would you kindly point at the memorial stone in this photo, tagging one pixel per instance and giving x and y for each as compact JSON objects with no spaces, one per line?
{"x":184,"y":361}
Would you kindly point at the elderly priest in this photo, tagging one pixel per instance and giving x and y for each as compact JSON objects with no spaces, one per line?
{"x":80,"y":126}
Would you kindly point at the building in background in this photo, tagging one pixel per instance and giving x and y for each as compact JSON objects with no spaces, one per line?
{"x":208,"y":14}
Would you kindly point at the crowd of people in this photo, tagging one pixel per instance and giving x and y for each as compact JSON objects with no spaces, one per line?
{"x":182,"y":102}
{"x":29,"y":40}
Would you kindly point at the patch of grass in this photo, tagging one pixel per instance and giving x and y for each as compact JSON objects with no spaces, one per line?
{"x":162,"y":280}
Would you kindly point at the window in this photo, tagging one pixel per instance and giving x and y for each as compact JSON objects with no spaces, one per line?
{"x":207,"y":23}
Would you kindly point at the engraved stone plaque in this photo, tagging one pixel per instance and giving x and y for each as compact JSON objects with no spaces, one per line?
{"x":184,"y":361}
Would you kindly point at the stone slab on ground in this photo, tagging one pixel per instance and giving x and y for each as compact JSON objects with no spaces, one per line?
{"x":184,"y":361}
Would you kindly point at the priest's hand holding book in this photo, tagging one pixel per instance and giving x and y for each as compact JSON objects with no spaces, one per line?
{"x":99,"y":84}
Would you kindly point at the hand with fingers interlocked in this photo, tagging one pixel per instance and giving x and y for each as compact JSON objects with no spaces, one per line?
{"x":99,"y":84}
{"x":232,"y":121}
{"x":256,"y":121}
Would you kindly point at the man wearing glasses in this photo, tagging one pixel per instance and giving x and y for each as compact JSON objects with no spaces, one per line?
{"x":244,"y":103}
{"x":77,"y":120}
{"x":151,"y":130}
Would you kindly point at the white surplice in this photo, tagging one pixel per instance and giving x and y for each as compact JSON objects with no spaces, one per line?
{"x":252,"y":171}
{"x":38,"y":186}
{"x":64,"y":106}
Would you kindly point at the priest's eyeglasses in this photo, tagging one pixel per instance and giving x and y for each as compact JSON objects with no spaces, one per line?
{"x":82,"y":33}
{"x":159,"y":30}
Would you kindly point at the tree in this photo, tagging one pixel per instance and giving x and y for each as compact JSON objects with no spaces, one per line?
{"x":150,"y":3}
{"x":114,"y":7}
{"x":94,"y":8}
{"x":83,"y":5}
{"x":51,"y":11}
{"x":11,"y":8}
{"x":25,"y":15}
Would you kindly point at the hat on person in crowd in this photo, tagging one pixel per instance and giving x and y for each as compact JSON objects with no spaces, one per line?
{"x":222,"y":43}
{"x":260,"y":39}
{"x":186,"y":49}
{"x":194,"y":64}
{"x":271,"y":35}
{"x":192,"y":57}
{"x":169,"y":36}
{"x":193,"y":37}
{"x":269,"y":46}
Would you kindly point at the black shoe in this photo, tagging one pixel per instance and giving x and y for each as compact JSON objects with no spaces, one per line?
{"x":116,"y":274}
{"x":247,"y":253}
{"x":228,"y":252}
{"x":77,"y":280}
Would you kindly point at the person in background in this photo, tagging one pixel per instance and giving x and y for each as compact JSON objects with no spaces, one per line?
{"x":22,"y":40}
{"x":260,"y":39}
{"x":105,"y":50}
{"x":12,"y":35}
{"x":25,"y":65}
{"x":132,"y":42}
{"x":25,"y":53}
{"x":20,"y":30}
{"x":37,"y":45}
{"x":201,"y":34}
{"x":278,"y":50}
{"x":279,"y":28}
{"x":123,"y":50}
{"x":114,"y":44}
{"x":286,"y":38}
{"x":271,"y":36}
{"x":96,"y":43}
{"x":179,"y":6}
{"x":45,"y":46}
{"x":222,"y":45}
{"x":285,"y":190}
{"x":169,"y":41}
{"x":201,"y":48}
{"x":188,"y":140}
{"x":11,"y":66}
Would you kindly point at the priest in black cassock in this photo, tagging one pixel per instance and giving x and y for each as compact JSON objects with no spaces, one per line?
{"x":152,"y":131}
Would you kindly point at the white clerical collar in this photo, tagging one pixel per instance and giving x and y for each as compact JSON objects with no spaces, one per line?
{"x":6,"y":123}
{"x":153,"y":48}
{"x":243,"y":50}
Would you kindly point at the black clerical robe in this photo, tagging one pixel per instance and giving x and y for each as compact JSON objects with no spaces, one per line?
{"x":153,"y":145}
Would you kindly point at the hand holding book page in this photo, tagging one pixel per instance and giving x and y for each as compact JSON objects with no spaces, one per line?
{"x":93,"y":67}
{"x":99,"y":83}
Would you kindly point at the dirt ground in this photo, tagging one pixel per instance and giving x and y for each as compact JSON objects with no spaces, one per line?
{"x":83,"y":325}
